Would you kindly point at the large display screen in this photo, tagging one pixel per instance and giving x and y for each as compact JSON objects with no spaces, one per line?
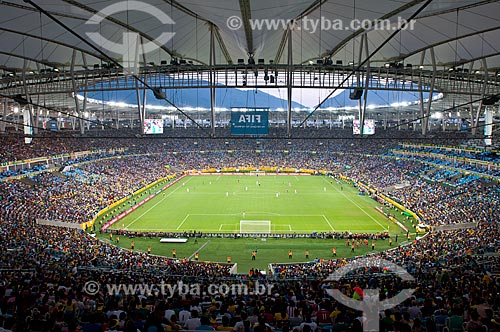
{"x":245,"y":121}
{"x":153,"y":126}
{"x":368,"y":128}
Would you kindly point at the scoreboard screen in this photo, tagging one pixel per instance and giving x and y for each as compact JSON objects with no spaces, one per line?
{"x":153,"y":126}
{"x":368,"y":128}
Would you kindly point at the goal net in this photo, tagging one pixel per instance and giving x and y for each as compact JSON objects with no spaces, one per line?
{"x":255,"y":226}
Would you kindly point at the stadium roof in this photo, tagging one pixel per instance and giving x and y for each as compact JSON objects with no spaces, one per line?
{"x":54,"y":49}
{"x":460,"y":31}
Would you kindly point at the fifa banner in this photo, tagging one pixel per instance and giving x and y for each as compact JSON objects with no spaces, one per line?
{"x":249,"y":122}
{"x":488,"y":126}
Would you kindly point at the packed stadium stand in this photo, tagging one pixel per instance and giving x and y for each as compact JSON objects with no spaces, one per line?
{"x":107,"y":105}
{"x":44,"y":268}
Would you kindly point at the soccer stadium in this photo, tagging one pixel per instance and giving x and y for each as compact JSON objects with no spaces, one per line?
{"x":249,"y":166}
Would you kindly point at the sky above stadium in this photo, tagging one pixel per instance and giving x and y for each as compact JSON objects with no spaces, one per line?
{"x":272,"y":98}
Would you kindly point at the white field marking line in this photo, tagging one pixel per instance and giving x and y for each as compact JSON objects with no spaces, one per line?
{"x":161,"y":200}
{"x":182,"y":222}
{"x":217,"y":179}
{"x":280,"y":227}
{"x":359,"y":207}
{"x":255,"y":213}
{"x":155,"y":230}
{"x":263,"y":213}
{"x":200,"y":248}
{"x":307,"y":231}
{"x":302,"y":231}
{"x":262,"y":192}
{"x":222,"y":226}
{"x":296,"y":178}
{"x":214,"y":214}
{"x":328,"y":222}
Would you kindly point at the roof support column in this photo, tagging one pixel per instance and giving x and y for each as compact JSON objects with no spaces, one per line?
{"x":30,"y":122}
{"x":133,"y":68}
{"x":427,"y":111}
{"x":37,"y":118}
{"x":362,"y":104}
{"x":141,"y":109}
{"x":469,"y":87}
{"x":84,"y":60}
{"x":75,"y":90}
{"x":475,"y":119}
{"x":420,"y":90}
{"x":144,"y":101}
{"x":73,"y":124}
{"x":117,"y":125}
{"x":289,"y":78}
{"x":2,"y":123}
{"x":141,"y":105}
{"x":212,"y":80}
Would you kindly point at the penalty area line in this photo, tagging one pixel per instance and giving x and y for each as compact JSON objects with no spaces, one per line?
{"x":183,"y":221}
{"x":353,"y":202}
{"x":328,"y":222}
{"x":151,"y":208}
{"x":221,"y":226}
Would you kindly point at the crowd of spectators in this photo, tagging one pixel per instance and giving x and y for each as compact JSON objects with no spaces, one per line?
{"x":65,"y":197}
{"x":478,"y":161}
{"x":453,"y":272}
{"x":476,"y":154}
{"x":48,"y":144}
{"x":43,"y":269}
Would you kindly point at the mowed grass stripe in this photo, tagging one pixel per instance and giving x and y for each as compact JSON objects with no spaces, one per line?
{"x":214,"y":203}
{"x":357,"y":205}
{"x":152,"y":207}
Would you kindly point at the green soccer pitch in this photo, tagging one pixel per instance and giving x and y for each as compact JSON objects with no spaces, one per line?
{"x":304,"y":204}
{"x":292,"y":204}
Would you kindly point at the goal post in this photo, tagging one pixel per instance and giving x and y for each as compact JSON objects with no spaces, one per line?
{"x":255,"y":226}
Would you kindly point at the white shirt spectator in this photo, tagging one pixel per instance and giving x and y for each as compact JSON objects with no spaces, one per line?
{"x":184,"y":315}
{"x":192,"y":323}
{"x":169,"y":313}
{"x":313,"y":326}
